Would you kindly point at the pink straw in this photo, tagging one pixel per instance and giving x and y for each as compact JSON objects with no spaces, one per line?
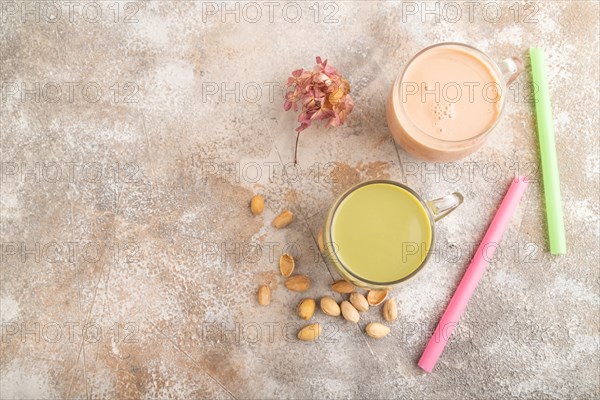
{"x":466,"y":288}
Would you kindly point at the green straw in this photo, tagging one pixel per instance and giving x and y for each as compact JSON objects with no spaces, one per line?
{"x":554,"y":211}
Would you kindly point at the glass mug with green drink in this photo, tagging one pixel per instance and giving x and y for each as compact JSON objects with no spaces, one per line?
{"x":379,"y":233}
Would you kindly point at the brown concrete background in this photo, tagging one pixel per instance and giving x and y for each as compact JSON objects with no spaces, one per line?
{"x":133,"y":273}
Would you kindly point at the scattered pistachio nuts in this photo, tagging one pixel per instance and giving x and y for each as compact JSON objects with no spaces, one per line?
{"x":349,"y":312}
{"x":257,"y":204}
{"x":342,"y":286}
{"x":377,"y":330}
{"x":264,"y":295}
{"x":297,"y":283}
{"x":390,"y":311}
{"x":306,"y":308}
{"x":286,"y":264}
{"x":283,"y":219}
{"x":359,"y":302}
{"x":329,"y":306}
{"x":376,"y":297}
{"x":309,"y":333}
{"x":320,"y":241}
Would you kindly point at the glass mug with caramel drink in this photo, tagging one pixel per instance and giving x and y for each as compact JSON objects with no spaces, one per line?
{"x":447,"y":100}
{"x":380,"y":233}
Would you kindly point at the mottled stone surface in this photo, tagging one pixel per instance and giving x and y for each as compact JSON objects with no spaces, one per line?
{"x":134,"y":134}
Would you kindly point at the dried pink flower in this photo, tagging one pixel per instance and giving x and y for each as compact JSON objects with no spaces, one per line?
{"x":323,"y":94}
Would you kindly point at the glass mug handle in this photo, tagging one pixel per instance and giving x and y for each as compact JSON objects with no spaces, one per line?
{"x":445,"y":205}
{"x":510,"y":68}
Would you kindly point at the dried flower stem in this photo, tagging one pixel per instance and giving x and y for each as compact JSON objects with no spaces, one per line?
{"x":296,"y":149}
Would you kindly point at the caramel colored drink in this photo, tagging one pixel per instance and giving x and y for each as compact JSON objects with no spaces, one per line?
{"x":446,"y":101}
